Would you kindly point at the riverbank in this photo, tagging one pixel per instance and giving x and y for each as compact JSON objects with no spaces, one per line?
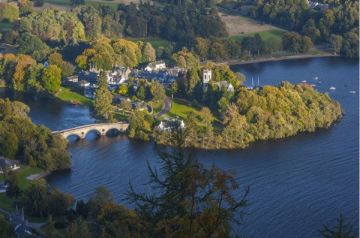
{"x":278,"y":58}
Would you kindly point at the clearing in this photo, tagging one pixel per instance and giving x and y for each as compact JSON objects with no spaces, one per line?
{"x":239,"y":25}
{"x":67,"y":95}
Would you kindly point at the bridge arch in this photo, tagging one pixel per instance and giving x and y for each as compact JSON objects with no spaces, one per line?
{"x":101,"y":129}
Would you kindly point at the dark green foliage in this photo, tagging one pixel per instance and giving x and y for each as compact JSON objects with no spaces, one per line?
{"x":339,"y":17}
{"x":39,"y":201}
{"x":12,"y":180}
{"x":141,"y":124}
{"x":28,"y":143}
{"x":6,"y":230}
{"x":341,"y":230}
{"x":34,"y":46}
{"x":188,"y":200}
{"x":103,"y":99}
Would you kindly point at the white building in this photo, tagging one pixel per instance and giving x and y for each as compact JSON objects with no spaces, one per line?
{"x":169,"y":125}
{"x":206,"y":76}
{"x":155,"y":66}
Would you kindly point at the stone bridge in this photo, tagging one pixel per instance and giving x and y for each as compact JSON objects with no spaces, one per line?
{"x":99,"y":128}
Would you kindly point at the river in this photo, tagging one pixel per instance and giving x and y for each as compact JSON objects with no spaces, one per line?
{"x":296,"y":184}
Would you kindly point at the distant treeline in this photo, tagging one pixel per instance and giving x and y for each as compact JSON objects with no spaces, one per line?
{"x":335,"y":23}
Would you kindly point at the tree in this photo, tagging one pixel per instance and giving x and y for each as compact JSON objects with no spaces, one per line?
{"x":185,"y":59}
{"x":8,"y":12}
{"x":67,"y":69}
{"x":101,"y":198}
{"x":198,"y":200}
{"x":140,"y":125}
{"x":13,"y":189}
{"x":5,"y":228}
{"x":35,"y":198}
{"x":201,"y":47}
{"x":33,"y":45}
{"x":78,"y":229}
{"x":336,"y":43}
{"x":103,"y":98}
{"x":51,"y":79}
{"x":341,"y":230}
{"x":149,"y":53}
{"x":157,"y":91}
{"x":123,"y":89}
{"x":49,"y":229}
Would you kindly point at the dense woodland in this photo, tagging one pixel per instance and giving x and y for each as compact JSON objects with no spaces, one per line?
{"x":260,"y":114}
{"x":337,"y":24}
{"x":28,"y":143}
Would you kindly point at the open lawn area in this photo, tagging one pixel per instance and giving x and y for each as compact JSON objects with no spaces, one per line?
{"x":239,"y":25}
{"x":67,"y":95}
{"x":181,"y":108}
{"x":6,"y":202}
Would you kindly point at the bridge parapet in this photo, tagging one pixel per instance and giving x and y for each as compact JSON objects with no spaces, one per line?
{"x":100,"y":128}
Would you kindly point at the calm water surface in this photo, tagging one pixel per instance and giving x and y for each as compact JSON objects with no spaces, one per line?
{"x":297,"y":184}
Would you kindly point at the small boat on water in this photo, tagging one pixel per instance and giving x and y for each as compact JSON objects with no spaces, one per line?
{"x":332,"y":88}
{"x":316,"y":77}
{"x":304,"y":81}
{"x":353,"y":92}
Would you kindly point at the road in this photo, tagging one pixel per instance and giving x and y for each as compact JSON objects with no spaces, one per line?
{"x":166,"y":106}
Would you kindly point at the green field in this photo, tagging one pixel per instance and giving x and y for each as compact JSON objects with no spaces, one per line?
{"x":67,"y":95}
{"x":181,"y":108}
{"x":6,"y":202}
{"x":265,"y":35}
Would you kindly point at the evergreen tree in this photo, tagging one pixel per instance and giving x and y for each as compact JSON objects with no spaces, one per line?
{"x":190,"y":201}
{"x":103,"y":99}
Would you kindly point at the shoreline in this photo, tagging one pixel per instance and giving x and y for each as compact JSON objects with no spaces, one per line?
{"x":274,"y":58}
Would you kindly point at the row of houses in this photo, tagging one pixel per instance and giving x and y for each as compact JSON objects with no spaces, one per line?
{"x":156,"y":71}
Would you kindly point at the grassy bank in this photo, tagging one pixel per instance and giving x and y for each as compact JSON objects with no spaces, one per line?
{"x":6,"y":202}
{"x":67,"y":95}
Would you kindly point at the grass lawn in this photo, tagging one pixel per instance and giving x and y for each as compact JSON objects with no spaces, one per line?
{"x":265,"y":35}
{"x":24,"y":173}
{"x":181,"y":108}
{"x":67,"y":95}
{"x":6,"y":202}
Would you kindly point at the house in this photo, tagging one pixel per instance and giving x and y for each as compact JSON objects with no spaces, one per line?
{"x":7,"y":164}
{"x":227,"y":85}
{"x":206,"y":76}
{"x":70,"y":81}
{"x":155,"y":66}
{"x":84,"y":83}
{"x":165,"y":77}
{"x":118,"y":75}
{"x":89,"y":76}
{"x":169,"y":125}
{"x":317,"y":5}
